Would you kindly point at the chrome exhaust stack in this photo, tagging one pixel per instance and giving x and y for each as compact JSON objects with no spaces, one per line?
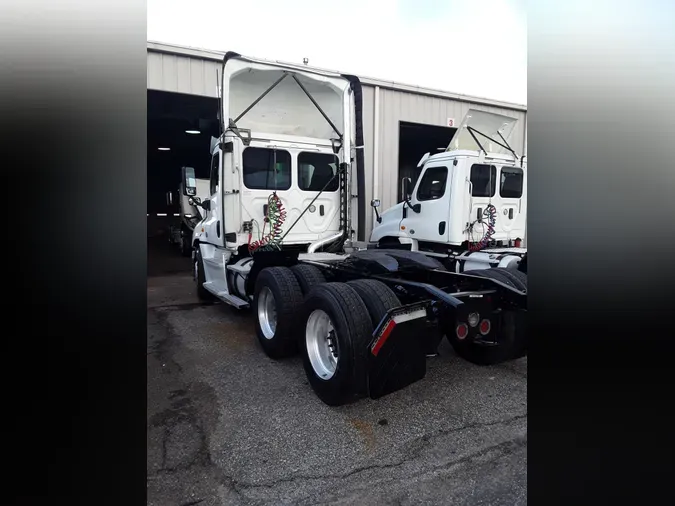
{"x":323,"y":242}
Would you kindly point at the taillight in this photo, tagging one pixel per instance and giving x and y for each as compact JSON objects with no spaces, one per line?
{"x":484,"y":327}
{"x":462,"y":330}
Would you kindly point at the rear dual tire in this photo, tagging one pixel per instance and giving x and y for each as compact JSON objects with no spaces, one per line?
{"x":277,"y":300}
{"x":353,"y":310}
{"x":332,"y":326}
{"x":308,"y":276}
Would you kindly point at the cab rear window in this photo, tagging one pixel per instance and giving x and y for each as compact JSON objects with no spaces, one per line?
{"x":511,"y":183}
{"x":267,"y":169}
{"x":316,"y":172}
{"x":483,"y":180}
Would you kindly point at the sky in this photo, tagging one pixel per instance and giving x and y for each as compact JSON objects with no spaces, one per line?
{"x":472,"y":47}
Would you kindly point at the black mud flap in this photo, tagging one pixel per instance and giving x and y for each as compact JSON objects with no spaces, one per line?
{"x":397,"y":353}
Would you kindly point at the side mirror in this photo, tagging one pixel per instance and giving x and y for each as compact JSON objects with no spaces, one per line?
{"x":406,"y":182}
{"x":189,"y":181}
{"x":407,"y":191}
{"x":375,"y":203}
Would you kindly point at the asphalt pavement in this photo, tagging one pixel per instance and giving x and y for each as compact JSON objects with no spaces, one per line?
{"x":227,"y":425}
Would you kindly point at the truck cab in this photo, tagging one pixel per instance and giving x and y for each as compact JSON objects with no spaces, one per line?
{"x":279,"y":171}
{"x":474,"y":190}
{"x":287,"y":131}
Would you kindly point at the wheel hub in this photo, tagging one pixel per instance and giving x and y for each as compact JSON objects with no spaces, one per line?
{"x":322,"y":344}
{"x":267,"y":313}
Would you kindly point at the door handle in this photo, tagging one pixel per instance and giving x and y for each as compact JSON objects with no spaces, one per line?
{"x":511,"y":213}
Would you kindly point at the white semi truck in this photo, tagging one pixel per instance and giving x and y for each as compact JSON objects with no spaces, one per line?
{"x":278,"y":237}
{"x":469,"y":205}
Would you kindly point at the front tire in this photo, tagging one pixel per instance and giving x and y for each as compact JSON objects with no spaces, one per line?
{"x":338,"y":329}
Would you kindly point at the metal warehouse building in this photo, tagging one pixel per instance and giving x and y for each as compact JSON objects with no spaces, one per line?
{"x":401,"y":122}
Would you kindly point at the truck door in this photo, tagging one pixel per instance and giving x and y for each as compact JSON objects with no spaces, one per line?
{"x":213,"y":224}
{"x":432,"y":193}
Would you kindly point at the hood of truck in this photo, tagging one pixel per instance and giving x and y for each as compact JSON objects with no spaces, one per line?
{"x":488,"y":123}
{"x":286,"y":109}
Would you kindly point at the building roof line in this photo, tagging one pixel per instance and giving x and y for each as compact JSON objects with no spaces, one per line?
{"x":208,"y":54}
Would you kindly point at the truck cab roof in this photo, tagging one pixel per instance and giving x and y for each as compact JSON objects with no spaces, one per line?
{"x":467,"y":153}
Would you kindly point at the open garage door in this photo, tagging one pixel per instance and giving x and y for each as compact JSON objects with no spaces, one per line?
{"x":180,"y":128}
{"x":416,"y":139}
{"x":179,"y":134}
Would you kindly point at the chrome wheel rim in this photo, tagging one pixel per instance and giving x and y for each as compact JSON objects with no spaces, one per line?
{"x":267,"y":313}
{"x":321,"y":343}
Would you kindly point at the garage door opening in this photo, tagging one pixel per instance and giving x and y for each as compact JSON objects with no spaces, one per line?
{"x":179,"y":134}
{"x":416,"y":139}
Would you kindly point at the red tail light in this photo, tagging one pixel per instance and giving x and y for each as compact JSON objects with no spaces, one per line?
{"x":462,"y":330}
{"x":484,"y":327}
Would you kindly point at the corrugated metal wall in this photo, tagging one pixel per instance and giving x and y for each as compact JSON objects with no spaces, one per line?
{"x":197,"y":76}
{"x":181,"y":74}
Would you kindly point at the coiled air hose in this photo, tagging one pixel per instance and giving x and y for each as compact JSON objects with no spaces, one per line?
{"x":489,"y":218}
{"x":276,"y":215}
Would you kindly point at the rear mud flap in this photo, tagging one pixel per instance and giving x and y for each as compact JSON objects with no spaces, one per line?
{"x":397,"y":353}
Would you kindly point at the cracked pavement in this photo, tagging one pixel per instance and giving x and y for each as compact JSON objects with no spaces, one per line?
{"x":227,"y":425}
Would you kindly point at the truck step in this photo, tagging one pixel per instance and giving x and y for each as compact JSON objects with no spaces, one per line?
{"x":226,"y":297}
{"x":233,"y":300}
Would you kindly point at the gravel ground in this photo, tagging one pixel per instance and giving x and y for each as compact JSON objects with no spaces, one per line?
{"x":227,"y":425}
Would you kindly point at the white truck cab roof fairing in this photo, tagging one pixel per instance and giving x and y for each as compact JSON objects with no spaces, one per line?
{"x":287,"y":108}
{"x":476,"y":125}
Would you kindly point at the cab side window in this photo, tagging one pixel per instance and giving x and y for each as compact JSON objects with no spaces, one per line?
{"x":213,"y":179}
{"x":432,"y":185}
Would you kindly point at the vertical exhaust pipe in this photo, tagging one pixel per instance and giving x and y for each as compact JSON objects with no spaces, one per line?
{"x":360,"y":156}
